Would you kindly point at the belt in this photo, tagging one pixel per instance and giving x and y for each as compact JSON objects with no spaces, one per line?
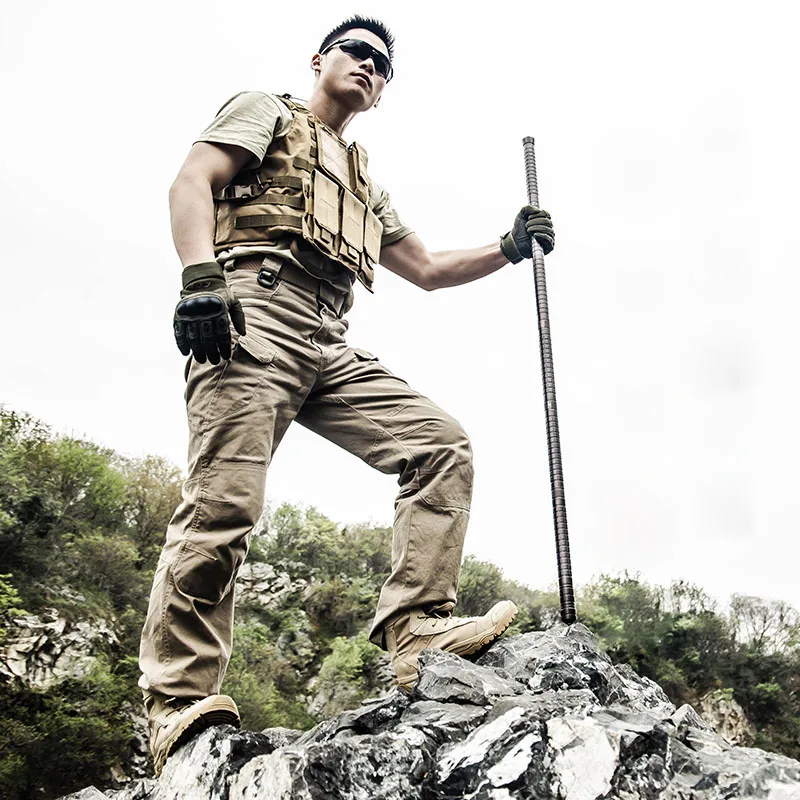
{"x":269,"y":272}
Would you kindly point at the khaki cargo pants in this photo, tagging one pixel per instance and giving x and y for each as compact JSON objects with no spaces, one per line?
{"x":294,"y":364}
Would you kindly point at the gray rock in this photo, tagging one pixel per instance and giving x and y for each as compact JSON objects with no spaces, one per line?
{"x":543,"y":715}
{"x":446,"y":678}
{"x":136,"y":790}
{"x":569,"y":657}
{"x":44,"y":650}
{"x":261,"y":586}
{"x":727,"y":717}
{"x":87,"y":794}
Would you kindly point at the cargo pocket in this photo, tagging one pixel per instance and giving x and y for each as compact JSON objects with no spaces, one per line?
{"x":241,"y":377}
{"x":207,"y":576}
{"x":364,"y":355}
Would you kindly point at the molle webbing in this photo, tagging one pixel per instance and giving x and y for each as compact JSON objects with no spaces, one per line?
{"x":268,"y":221}
{"x":312,"y":185}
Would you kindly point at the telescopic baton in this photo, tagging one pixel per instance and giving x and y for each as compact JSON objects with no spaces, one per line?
{"x":550,"y":408}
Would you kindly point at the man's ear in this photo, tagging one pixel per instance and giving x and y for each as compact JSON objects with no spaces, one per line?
{"x":316,"y":63}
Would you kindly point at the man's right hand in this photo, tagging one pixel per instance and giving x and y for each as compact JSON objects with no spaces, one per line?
{"x":203,"y":316}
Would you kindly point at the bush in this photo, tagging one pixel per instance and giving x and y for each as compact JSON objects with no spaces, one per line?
{"x":59,"y":741}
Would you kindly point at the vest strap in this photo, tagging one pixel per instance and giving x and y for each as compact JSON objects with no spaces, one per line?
{"x":289,"y":181}
{"x":285,"y":200}
{"x":268,"y":221}
{"x":300,"y":163}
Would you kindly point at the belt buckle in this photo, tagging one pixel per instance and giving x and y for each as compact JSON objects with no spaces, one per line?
{"x":266,"y":278}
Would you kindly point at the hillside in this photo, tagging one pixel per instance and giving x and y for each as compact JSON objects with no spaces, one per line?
{"x":80,"y":532}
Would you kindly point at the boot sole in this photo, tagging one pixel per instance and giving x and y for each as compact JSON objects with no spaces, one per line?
{"x":490,"y":638}
{"x":189,"y":729}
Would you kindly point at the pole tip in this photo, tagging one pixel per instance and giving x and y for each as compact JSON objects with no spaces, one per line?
{"x":527,"y":140}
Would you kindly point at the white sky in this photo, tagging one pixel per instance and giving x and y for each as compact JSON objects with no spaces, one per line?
{"x":667,"y":148}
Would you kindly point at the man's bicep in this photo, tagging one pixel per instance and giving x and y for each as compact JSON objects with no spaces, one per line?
{"x":408,"y":258}
{"x":217,"y":163}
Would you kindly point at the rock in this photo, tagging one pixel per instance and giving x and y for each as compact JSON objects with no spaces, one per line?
{"x":543,"y":715}
{"x":727,"y":717}
{"x":446,"y":678}
{"x":569,"y":657}
{"x":262,"y":587}
{"x":42,"y":651}
{"x":140,"y":790}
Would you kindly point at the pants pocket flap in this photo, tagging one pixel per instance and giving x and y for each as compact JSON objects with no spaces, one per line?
{"x":258,"y":348}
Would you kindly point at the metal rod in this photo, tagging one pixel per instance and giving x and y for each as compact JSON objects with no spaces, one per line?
{"x":550,"y":408}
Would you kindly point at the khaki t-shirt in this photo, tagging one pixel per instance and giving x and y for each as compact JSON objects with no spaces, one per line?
{"x":252,"y":120}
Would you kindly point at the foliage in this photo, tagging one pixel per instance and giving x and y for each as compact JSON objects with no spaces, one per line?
{"x":348,"y":673}
{"x":676,"y":637}
{"x":341,"y":606}
{"x":64,"y":739}
{"x":10,"y":604}
{"x":81,"y":528}
{"x":267,"y":688}
{"x":764,"y":626}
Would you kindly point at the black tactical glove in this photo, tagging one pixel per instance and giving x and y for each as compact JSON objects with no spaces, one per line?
{"x":203,"y":316}
{"x":531,"y":221}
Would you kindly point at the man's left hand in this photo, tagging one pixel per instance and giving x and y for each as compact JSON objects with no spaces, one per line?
{"x":531,"y":221}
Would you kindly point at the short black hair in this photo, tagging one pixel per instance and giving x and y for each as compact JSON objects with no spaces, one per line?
{"x":367,"y":23}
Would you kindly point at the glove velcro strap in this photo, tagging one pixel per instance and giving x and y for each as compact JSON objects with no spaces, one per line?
{"x":205,"y":271}
{"x":509,"y":248}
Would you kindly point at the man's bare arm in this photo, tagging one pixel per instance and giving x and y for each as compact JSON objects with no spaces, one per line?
{"x":410,"y":259}
{"x":207,"y":169}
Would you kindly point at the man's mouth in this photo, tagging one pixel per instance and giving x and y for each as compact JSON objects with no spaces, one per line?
{"x":364,"y":77}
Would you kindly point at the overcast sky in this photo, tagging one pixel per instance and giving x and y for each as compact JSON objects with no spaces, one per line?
{"x":667,"y":143}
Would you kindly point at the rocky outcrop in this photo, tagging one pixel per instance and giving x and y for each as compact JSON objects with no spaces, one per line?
{"x":542,"y":715}
{"x":260,"y":586}
{"x":727,"y":717}
{"x":41,"y":651}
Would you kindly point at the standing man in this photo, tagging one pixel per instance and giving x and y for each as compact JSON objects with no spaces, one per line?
{"x":274,"y":218}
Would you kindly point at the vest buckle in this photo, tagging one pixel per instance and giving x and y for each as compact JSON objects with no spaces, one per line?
{"x":266,"y":278}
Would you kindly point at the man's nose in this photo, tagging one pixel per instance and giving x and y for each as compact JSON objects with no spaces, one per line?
{"x":368,"y":62}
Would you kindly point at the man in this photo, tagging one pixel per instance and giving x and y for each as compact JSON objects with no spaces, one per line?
{"x":274,"y":217}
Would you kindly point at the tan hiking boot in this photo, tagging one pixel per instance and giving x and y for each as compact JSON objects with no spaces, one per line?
{"x":172,"y":724}
{"x":408,"y":635}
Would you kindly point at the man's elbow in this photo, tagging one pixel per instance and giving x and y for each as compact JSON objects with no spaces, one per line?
{"x":429,"y":277}
{"x":188,"y":187}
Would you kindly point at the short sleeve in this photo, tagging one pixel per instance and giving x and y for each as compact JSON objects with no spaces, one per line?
{"x":381,"y":204}
{"x":250,"y":120}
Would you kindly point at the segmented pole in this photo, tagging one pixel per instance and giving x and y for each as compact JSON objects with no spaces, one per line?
{"x":550,"y":408}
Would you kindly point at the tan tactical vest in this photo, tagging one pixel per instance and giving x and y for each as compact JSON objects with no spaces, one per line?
{"x":311,"y":184}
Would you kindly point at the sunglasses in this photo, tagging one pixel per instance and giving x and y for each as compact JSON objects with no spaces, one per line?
{"x":362,"y":51}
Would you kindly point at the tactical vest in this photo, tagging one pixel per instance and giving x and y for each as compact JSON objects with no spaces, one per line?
{"x":310,"y":184}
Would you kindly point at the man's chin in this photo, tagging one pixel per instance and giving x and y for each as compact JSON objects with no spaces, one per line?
{"x":354,"y":98}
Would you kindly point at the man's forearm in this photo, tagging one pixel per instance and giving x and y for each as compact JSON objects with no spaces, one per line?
{"x":192,"y":215}
{"x":454,"y":267}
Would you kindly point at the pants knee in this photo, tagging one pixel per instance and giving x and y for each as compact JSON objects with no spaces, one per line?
{"x":207,"y":574}
{"x":446,"y":472}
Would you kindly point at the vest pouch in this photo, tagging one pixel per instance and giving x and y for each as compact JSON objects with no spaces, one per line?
{"x":352,"y":244}
{"x":321,"y":222}
{"x":333,"y":155}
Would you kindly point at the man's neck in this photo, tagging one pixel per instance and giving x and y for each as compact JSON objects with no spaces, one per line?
{"x":332,"y":113}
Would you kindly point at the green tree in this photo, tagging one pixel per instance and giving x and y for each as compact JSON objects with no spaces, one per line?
{"x":10,"y":604}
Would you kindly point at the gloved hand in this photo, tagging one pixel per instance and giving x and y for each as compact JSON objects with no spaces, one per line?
{"x":203,"y":316}
{"x":531,"y":221}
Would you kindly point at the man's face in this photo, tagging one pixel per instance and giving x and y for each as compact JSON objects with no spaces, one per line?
{"x":353,"y":81}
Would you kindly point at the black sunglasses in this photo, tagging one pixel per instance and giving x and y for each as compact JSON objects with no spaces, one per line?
{"x":362,"y":51}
